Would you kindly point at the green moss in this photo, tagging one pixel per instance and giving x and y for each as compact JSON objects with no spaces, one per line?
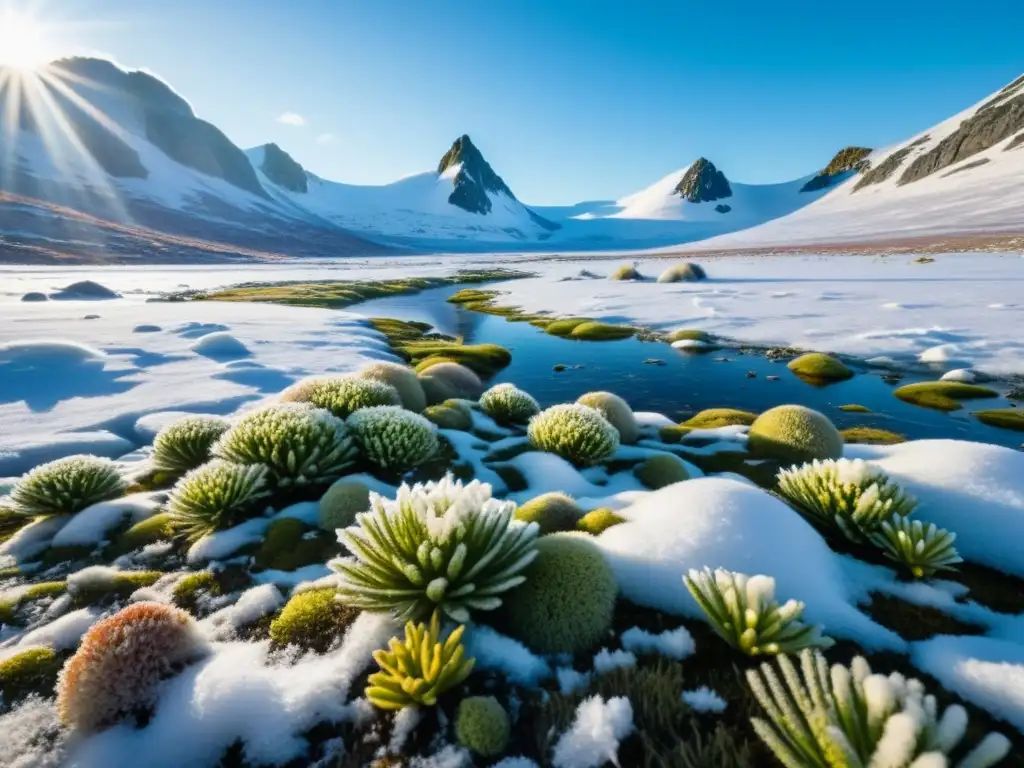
{"x":153,"y":529}
{"x":661,"y":470}
{"x":33,"y":671}
{"x":11,"y":573}
{"x":714,"y":418}
{"x":871,"y":436}
{"x":794,"y":434}
{"x":119,"y":587}
{"x":673,"y":435}
{"x":854,"y":408}
{"x":9,"y":608}
{"x":820,"y":368}
{"x":551,"y":512}
{"x":10,"y":523}
{"x":482,"y":725}
{"x":286,"y":546}
{"x":399,"y":331}
{"x":430,"y":362}
{"x":312,"y":620}
{"x":686,"y":334}
{"x":483,"y":359}
{"x":70,"y":554}
{"x":597,"y":521}
{"x":451,"y":414}
{"x":341,"y":503}
{"x":471,"y":295}
{"x":941,"y":395}
{"x":1005,"y":418}
{"x":595,"y":331}
{"x":565,"y":326}
{"x":188,"y":590}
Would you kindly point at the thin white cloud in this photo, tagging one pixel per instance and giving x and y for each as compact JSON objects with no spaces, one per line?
{"x":326,"y":138}
{"x":292,"y":118}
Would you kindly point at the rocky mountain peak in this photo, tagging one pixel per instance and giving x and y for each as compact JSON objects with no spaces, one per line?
{"x":474,"y":179}
{"x":703,"y":183}
{"x":845,"y":160}
{"x":281,"y":168}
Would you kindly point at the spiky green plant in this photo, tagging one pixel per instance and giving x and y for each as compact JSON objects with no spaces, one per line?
{"x":66,"y":486}
{"x":923,"y":548}
{"x":851,"y":718}
{"x":344,"y":395}
{"x":215,"y":496}
{"x":420,"y":669}
{"x":297,"y":443}
{"x":848,"y":496}
{"x":575,"y":432}
{"x":394,"y":438}
{"x":507,"y":404}
{"x":186,"y":443}
{"x":743,"y":611}
{"x":436,"y":545}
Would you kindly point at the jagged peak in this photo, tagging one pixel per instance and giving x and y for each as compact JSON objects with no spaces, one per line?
{"x":703,"y":183}
{"x":282,"y":169}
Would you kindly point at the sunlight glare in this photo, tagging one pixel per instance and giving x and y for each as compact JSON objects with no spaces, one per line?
{"x":22,"y":42}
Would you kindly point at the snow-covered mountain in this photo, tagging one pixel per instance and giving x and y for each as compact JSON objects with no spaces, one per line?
{"x":964,"y":176}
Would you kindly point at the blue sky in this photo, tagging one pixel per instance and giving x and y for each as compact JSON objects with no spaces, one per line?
{"x":570,"y":100}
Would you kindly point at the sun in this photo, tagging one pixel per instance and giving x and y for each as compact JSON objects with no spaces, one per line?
{"x":23,"y":43}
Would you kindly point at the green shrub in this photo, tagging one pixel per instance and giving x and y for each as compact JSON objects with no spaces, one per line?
{"x":188,"y":590}
{"x":625,"y":272}
{"x":597,"y":521}
{"x":402,"y":378}
{"x":844,"y":496}
{"x":818,"y":367}
{"x":406,"y":560}
{"x":942,"y":395}
{"x":871,"y":436}
{"x":922,"y":548}
{"x":567,"y":601}
{"x":596,"y":331}
{"x":507,"y":404}
{"x":451,"y":414}
{"x":450,"y":381}
{"x":482,"y":725}
{"x":67,"y":486}
{"x":794,"y":433}
{"x":287,"y":548}
{"x":1005,"y":418}
{"x":297,"y":443}
{"x":551,"y":512}
{"x":616,"y":411}
{"x":394,"y":438}
{"x":685,"y":272}
{"x":419,"y":670}
{"x":344,"y":395}
{"x":661,"y":470}
{"x":847,"y":716}
{"x":313,"y":620}
{"x":565,"y":326}
{"x":186,"y":443}
{"x":342,"y":502}
{"x":743,"y":612}
{"x":32,"y":671}
{"x":578,"y":433}
{"x":216,"y":496}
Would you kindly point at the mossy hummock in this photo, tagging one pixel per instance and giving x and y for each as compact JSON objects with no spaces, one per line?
{"x":816,"y":367}
{"x":796,"y":434}
{"x":1004,"y":418}
{"x":942,"y":395}
{"x":551,"y":512}
{"x":313,"y":620}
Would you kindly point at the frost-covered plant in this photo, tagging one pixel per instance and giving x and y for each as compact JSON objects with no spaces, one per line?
{"x":575,"y":432}
{"x":344,"y":395}
{"x":66,"y":486}
{"x":297,"y":443}
{"x":215,"y":496}
{"x":743,"y":611}
{"x":394,"y":438}
{"x":849,"y":496}
{"x":186,"y":443}
{"x":852,"y":717}
{"x":616,"y":411}
{"x":122,"y":660}
{"x":442,"y":544}
{"x":922,"y":547}
{"x":507,"y":404}
{"x":420,"y":669}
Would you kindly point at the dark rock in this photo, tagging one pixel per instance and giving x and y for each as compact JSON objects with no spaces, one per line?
{"x":34,"y":296}
{"x":993,"y":123}
{"x":558,"y":367}
{"x":723,"y":208}
{"x":846,"y":161}
{"x":85,"y":289}
{"x":654,"y":361}
{"x":890,"y":165}
{"x":771,"y":378}
{"x":91,"y":317}
{"x":967,"y":166}
{"x":751,"y":374}
{"x":1018,"y":141}
{"x":703,"y":183}
{"x":1017,"y":393}
{"x":281,"y":169}
{"x":1005,"y":93}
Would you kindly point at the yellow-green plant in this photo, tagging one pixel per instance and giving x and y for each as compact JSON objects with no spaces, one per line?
{"x":419,"y":670}
{"x":923,"y":548}
{"x":66,"y":486}
{"x":185,"y":444}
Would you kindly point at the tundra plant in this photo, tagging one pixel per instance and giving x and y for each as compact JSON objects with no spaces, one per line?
{"x":420,"y":669}
{"x":575,"y":432}
{"x":850,"y":497}
{"x":394,"y":438}
{"x":439,"y":545}
{"x":344,"y":395}
{"x":297,"y":443}
{"x":186,"y":443}
{"x":743,"y":611}
{"x":66,"y":486}
{"x":507,"y":404}
{"x":851,"y":717}
{"x":922,"y":547}
{"x":215,"y":496}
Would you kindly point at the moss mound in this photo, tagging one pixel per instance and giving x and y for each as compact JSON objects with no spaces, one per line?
{"x":451,"y":414}
{"x":402,"y":378}
{"x":287,"y":547}
{"x":942,"y":395}
{"x":9,"y":608}
{"x":661,"y":470}
{"x":551,"y":512}
{"x":685,"y":272}
{"x":714,"y":418}
{"x":625,"y":272}
{"x":482,"y":725}
{"x":450,"y":381}
{"x":313,"y":620}
{"x":151,"y":530}
{"x":871,"y":436}
{"x":686,"y":334}
{"x":818,"y":367}
{"x":595,"y":331}
{"x":118,"y":587}
{"x":854,"y":408}
{"x":567,"y":601}
{"x":565,"y":326}
{"x":1005,"y":418}
{"x":616,"y":411}
{"x":189,"y":590}
{"x":340,"y":505}
{"x":483,"y":359}
{"x":597,"y":521}
{"x":33,"y":671}
{"x":794,"y":433}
